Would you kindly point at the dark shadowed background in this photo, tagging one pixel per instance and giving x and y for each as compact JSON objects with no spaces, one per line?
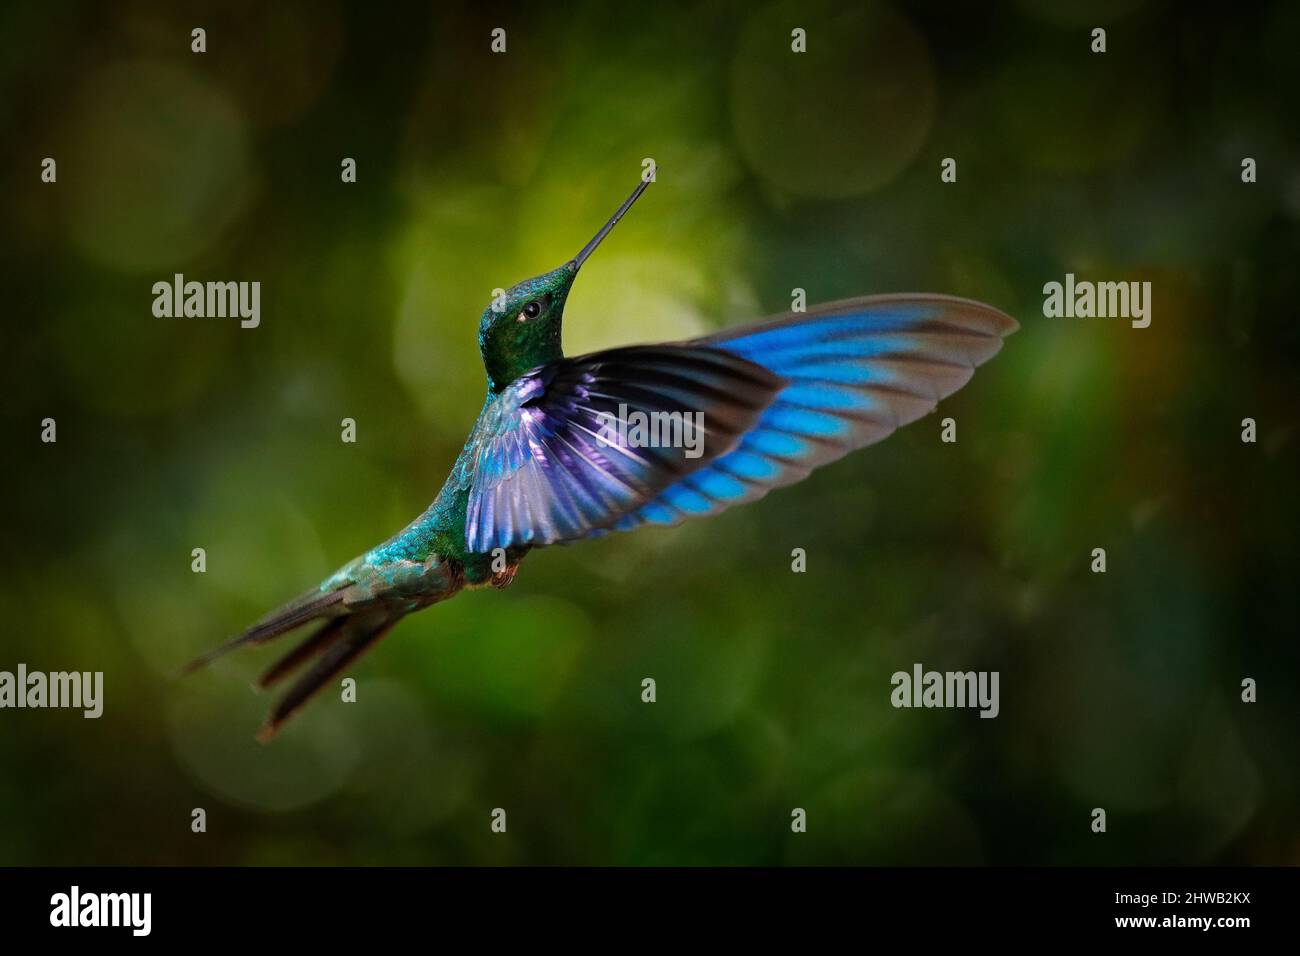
{"x":775,"y":170}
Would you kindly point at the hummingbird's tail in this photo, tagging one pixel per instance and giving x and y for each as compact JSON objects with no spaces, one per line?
{"x":335,"y":645}
{"x":308,"y":607}
{"x":347,"y":633}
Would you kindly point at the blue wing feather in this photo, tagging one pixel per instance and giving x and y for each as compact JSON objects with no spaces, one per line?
{"x":856,"y":371}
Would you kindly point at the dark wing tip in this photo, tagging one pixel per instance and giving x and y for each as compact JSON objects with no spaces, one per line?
{"x":968,"y":314}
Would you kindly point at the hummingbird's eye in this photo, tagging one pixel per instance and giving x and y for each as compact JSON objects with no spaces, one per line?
{"x":531,"y":311}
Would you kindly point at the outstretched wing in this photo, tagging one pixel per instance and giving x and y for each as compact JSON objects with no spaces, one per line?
{"x":856,"y":370}
{"x":550,"y":461}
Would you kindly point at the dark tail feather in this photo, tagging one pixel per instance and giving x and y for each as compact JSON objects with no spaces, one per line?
{"x":310,"y":606}
{"x":313,"y":645}
{"x":356,"y":636}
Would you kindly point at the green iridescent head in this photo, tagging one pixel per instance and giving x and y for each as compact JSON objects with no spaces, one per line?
{"x":520,"y":330}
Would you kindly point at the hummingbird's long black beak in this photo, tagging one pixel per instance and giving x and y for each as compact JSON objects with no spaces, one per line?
{"x":589,"y":248}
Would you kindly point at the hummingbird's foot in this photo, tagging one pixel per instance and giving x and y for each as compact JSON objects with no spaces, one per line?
{"x":501,"y":580}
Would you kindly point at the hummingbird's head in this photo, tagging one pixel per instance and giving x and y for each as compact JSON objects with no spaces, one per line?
{"x":520,"y":330}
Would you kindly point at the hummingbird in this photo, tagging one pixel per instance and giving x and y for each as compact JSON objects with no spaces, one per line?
{"x":769,"y":402}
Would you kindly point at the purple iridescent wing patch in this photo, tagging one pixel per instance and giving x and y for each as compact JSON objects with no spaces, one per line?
{"x":568,"y":449}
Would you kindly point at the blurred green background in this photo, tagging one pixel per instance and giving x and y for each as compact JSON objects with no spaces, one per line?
{"x":776,"y":170}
